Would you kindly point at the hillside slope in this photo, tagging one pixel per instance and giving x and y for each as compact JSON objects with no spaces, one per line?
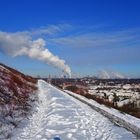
{"x":16,"y":96}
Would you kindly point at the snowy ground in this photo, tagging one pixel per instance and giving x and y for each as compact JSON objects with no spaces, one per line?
{"x":119,"y":93}
{"x":58,"y":114}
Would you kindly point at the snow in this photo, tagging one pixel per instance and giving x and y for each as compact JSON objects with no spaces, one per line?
{"x":126,"y":120}
{"x":127,"y":86}
{"x":122,"y":103}
{"x":60,"y":115}
{"x":122,"y":92}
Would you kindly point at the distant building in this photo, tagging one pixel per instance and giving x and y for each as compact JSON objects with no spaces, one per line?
{"x":49,"y":79}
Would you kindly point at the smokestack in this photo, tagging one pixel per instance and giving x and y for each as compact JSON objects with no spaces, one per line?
{"x":18,"y":44}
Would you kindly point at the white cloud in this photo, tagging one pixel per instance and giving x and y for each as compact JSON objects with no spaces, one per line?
{"x":97,"y":39}
{"x":49,"y":30}
{"x":103,"y":74}
{"x":21,"y":43}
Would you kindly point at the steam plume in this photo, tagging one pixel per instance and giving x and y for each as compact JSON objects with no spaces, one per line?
{"x":103,"y":74}
{"x":20,"y":43}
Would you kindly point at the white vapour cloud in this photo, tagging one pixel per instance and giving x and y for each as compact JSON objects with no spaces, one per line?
{"x":50,"y":30}
{"x":21,"y":43}
{"x":92,"y":39}
{"x":103,"y":74}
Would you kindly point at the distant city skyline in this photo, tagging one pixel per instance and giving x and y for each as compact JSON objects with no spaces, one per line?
{"x":87,"y":36}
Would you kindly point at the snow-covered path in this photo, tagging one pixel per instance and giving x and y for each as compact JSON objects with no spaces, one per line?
{"x":58,"y":114}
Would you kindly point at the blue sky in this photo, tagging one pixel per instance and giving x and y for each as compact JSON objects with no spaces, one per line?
{"x":90,"y":35}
